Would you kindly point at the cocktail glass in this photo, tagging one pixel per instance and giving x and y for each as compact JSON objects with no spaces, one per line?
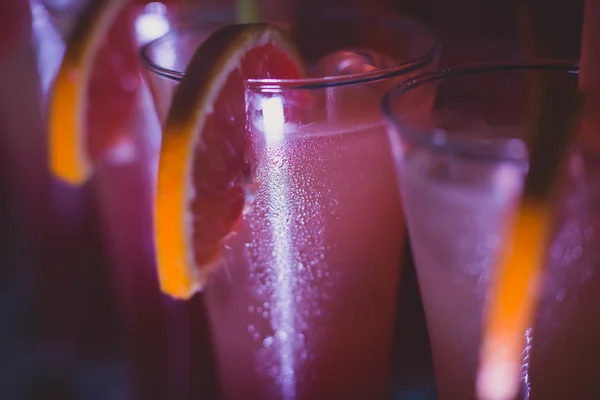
{"x":304,"y":305}
{"x":460,"y":144}
{"x":99,"y":299}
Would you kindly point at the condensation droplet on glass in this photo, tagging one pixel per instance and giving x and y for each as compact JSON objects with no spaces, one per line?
{"x":560,"y":295}
{"x":256,"y":336}
{"x":577,"y":252}
{"x":481,"y":248}
{"x":300,"y":266}
{"x":464,"y":242}
{"x":589,"y":234}
{"x":273,"y":370}
{"x":556,"y":252}
{"x":251,"y":309}
{"x":282,"y":335}
{"x":268,"y":341}
{"x":266,"y":305}
{"x":265,"y":314}
{"x":251,"y":328}
{"x":493,"y":241}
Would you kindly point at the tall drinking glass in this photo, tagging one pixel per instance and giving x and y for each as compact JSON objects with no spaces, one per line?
{"x":304,"y":306}
{"x":99,"y":299}
{"x":460,"y":145}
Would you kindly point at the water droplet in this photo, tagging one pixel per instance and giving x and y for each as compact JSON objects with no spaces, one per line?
{"x":265,"y":314}
{"x":256,"y":336}
{"x":556,"y":252}
{"x":251,"y":309}
{"x":268,"y":342}
{"x":273,"y":370}
{"x":266,"y":306}
{"x":300,"y":267}
{"x":481,"y":249}
{"x":586,"y":274}
{"x":577,"y":252}
{"x":493,"y":241}
{"x":251,"y":328}
{"x":282,"y":335}
{"x":560,"y":295}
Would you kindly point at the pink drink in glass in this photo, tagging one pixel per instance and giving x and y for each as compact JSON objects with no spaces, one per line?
{"x":460,"y":170}
{"x":99,"y":285}
{"x":303,"y":306}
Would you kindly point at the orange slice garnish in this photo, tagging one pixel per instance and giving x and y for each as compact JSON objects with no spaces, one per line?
{"x":516,"y":286}
{"x":205,"y":163}
{"x":68,"y":105}
{"x":515,"y":290}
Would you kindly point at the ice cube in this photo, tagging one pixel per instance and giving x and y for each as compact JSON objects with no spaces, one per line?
{"x":352,"y":61}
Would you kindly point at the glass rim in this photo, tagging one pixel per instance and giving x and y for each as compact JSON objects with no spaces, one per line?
{"x":500,"y":150}
{"x":404,"y":67}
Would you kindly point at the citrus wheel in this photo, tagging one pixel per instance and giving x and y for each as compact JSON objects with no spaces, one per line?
{"x":205,"y":163}
{"x":68,"y":104}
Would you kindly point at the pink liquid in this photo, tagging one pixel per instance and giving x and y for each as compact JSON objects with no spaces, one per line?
{"x":303,"y":307}
{"x":98,"y":294}
{"x":455,"y":230}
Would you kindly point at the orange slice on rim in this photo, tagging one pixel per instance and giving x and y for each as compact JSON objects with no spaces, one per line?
{"x":69,"y":159}
{"x":205,"y":163}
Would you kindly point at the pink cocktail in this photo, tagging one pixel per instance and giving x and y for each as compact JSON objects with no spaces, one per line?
{"x":461,"y":151}
{"x":99,"y":293}
{"x":303,"y":305}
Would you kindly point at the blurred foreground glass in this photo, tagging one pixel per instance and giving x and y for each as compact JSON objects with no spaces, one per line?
{"x":460,"y":148}
{"x":101,"y":309}
{"x":304,"y":307}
